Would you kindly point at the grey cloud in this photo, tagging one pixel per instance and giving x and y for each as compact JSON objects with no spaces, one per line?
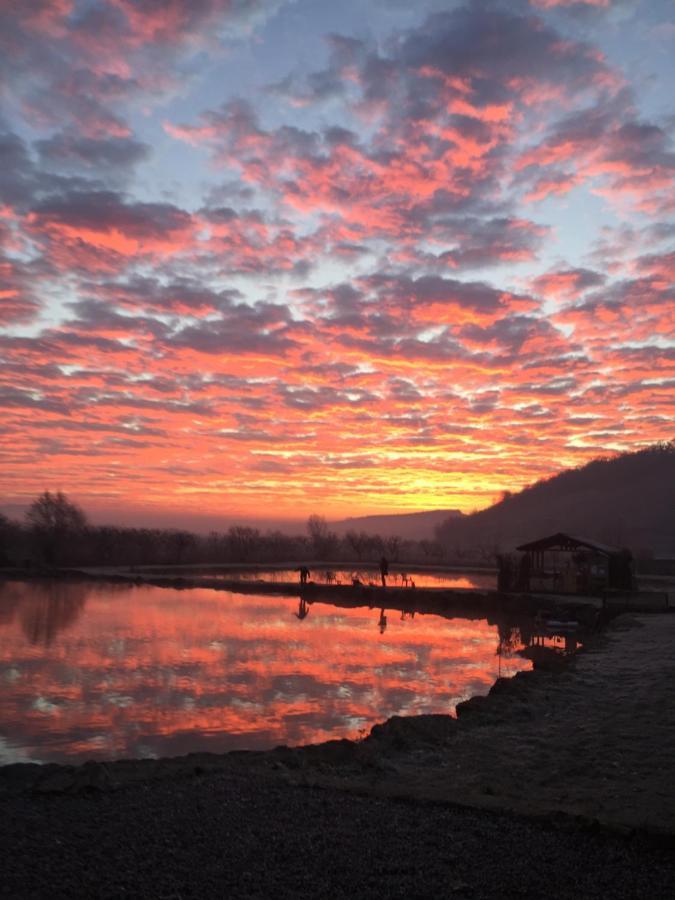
{"x":110,"y":210}
{"x":261,"y":328}
{"x":103,"y":155}
{"x":176,"y":296}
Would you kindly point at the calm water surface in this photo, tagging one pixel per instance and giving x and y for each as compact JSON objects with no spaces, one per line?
{"x":322,"y":575}
{"x":110,"y":671}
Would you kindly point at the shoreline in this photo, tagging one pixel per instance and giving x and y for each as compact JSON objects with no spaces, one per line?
{"x":427,"y":600}
{"x":590,"y":743}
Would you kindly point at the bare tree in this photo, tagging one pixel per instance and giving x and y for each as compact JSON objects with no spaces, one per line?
{"x":393,"y":545}
{"x":244,"y":543}
{"x":179,"y":544}
{"x":431,"y":549}
{"x":56,"y":524}
{"x":358,"y":542}
{"x":324,"y":541}
{"x":5,"y":537}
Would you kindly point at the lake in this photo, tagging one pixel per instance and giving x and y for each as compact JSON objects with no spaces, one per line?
{"x":338,"y":574}
{"x":341,"y":575}
{"x":103,"y":671}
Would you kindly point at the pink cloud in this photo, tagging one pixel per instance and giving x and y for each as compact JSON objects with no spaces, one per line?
{"x":303,"y":328}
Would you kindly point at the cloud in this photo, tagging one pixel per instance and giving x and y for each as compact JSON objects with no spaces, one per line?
{"x":431,"y":169}
{"x":97,"y":230}
{"x":71,"y":152}
{"x":18,"y":298}
{"x":623,"y":158}
{"x":567,"y":282}
{"x":183,"y":296}
{"x":257,"y":297}
{"x":262,"y":329}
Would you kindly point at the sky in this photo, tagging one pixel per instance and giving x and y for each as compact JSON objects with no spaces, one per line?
{"x":268,"y":258}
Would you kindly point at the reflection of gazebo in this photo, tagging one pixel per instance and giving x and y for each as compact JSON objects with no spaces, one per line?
{"x":573,"y":565}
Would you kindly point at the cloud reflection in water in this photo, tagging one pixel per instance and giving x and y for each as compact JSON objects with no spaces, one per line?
{"x":145,"y":671}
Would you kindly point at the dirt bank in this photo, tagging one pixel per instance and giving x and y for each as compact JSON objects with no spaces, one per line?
{"x":595,"y":740}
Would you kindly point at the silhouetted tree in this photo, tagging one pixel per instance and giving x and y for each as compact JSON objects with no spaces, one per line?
{"x":215,"y":547}
{"x":243,"y":542}
{"x":5,"y":536}
{"x":393,"y":545}
{"x":179,"y":545}
{"x":431,"y":549}
{"x":55,"y":523}
{"x":324,"y":541}
{"x":357,"y":541}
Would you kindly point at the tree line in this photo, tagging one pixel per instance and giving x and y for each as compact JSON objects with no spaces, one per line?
{"x":56,"y":532}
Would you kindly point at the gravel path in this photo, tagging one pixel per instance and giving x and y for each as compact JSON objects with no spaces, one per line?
{"x":245,"y":834}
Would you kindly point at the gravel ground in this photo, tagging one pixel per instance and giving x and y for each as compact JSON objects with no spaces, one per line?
{"x":247,"y":834}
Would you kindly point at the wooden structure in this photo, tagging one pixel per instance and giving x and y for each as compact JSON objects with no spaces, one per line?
{"x":564,"y":564}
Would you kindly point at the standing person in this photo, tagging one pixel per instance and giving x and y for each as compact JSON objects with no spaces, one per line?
{"x":304,"y":574}
{"x":384,"y":570}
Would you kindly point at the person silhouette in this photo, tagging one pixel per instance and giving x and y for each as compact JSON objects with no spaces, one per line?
{"x":304,"y":574}
{"x":384,"y":570}
{"x":382,"y":624}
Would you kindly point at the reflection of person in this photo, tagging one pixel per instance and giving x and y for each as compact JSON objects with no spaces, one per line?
{"x":384,"y":570}
{"x":304,"y":574}
{"x":383,"y":622}
{"x":303,"y":609}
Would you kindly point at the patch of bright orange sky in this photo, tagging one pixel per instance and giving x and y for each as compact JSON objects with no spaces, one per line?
{"x":396,"y":272}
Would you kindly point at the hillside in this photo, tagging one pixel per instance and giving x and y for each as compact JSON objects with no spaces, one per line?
{"x":412,"y":526}
{"x":628,"y":500}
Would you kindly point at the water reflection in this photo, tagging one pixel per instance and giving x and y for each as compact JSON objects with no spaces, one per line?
{"x":44,"y":608}
{"x":359,"y":575}
{"x":303,"y":609}
{"x":112,"y":671}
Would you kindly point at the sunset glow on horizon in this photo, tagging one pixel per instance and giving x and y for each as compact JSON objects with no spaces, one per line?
{"x":267,"y":258}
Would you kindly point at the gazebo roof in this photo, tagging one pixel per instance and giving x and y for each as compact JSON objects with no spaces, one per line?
{"x":568,"y":542}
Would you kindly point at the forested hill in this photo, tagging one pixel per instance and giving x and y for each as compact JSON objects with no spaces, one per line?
{"x":627,"y":501}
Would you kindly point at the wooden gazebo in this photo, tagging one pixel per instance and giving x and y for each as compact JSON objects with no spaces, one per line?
{"x":573,"y":565}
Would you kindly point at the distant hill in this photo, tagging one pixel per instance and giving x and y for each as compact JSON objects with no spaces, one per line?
{"x":417,"y":526}
{"x":626,"y":501}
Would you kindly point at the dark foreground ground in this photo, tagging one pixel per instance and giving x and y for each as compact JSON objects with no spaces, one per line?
{"x":245,"y":834}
